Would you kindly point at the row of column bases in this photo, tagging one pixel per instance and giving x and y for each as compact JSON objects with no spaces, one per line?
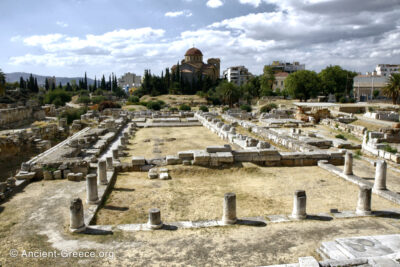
{"x":380,"y":171}
{"x":229,"y":210}
{"x":77,"y":223}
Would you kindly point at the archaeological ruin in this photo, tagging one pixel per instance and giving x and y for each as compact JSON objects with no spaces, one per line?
{"x":135,"y":182}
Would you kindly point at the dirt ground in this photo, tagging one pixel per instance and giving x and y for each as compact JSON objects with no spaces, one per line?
{"x":331,"y":133}
{"x":196,"y":193}
{"x":163,"y":141}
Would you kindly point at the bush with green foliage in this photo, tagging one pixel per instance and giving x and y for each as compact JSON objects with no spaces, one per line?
{"x":340,"y":136}
{"x":98,"y":99}
{"x":246,"y":108}
{"x":203,"y":108}
{"x":84,"y":99}
{"x":73,"y":114}
{"x":185,"y":107}
{"x":173,"y":109}
{"x":153,"y":105}
{"x":133,"y":99}
{"x":390,"y":149}
{"x":108,"y":104}
{"x":357,"y":154}
{"x":57,"y":97}
{"x":268,"y":107}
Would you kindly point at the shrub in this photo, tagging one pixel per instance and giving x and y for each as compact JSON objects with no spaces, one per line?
{"x":203,"y":108}
{"x":184,"y":107}
{"x":61,"y":96}
{"x":371,"y":109}
{"x":153,"y":105}
{"x":340,"y":136}
{"x":73,"y":114}
{"x":84,"y":99}
{"x":225,"y":109}
{"x":357,"y":154}
{"x":267,"y":108}
{"x":390,"y":149}
{"x":133,"y":99}
{"x":173,"y":109}
{"x":246,"y":108}
{"x":108,"y":104}
{"x":98,"y":99}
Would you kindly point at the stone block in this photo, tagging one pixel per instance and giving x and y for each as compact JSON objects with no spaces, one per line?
{"x":215,"y":149}
{"x":186,"y":155}
{"x":47,"y":175}
{"x":164,"y":176}
{"x":22,"y":175}
{"x":225,"y":157}
{"x":138,"y":161}
{"x":173,"y":160}
{"x":57,"y":175}
{"x":201,"y":157}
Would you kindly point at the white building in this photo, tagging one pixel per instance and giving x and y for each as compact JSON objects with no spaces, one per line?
{"x":130,"y":80}
{"x":279,"y":66}
{"x":365,"y":85}
{"x":237,"y":75}
{"x":387,"y":69}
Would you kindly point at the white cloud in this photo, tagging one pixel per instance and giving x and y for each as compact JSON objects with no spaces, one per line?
{"x":214,"y":3}
{"x":311,"y":32}
{"x":62,"y":24}
{"x":254,"y":3}
{"x":174,"y":14}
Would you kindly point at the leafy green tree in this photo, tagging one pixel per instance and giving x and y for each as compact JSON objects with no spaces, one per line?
{"x":303,"y":84}
{"x":103,"y":85}
{"x":228,"y":92}
{"x":267,"y":81}
{"x":392,"y":89}
{"x":337,"y":81}
{"x":2,"y":82}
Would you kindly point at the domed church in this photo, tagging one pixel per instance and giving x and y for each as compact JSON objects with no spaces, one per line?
{"x":193,"y":66}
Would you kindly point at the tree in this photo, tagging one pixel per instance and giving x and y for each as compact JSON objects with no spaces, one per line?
{"x":103,"y":85}
{"x":2,"y":82}
{"x":337,"y":81}
{"x":85,"y":83}
{"x":392,"y":89}
{"x":95,"y":84}
{"x":46,"y":84}
{"x":302,"y":84}
{"x":267,"y":81}
{"x":228,"y":92}
{"x":36,"y":86}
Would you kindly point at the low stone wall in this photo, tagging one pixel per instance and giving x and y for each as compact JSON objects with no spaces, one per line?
{"x":383,"y":115}
{"x":374,"y":142}
{"x":17,"y":115}
{"x":356,"y":130}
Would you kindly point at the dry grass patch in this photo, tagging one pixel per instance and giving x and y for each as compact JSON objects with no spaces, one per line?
{"x":196,"y":193}
{"x":157,"y":142}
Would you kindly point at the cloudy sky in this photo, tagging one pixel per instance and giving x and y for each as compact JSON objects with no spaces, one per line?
{"x":69,"y":37}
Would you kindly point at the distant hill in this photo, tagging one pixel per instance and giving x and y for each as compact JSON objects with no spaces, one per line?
{"x":15,"y":76}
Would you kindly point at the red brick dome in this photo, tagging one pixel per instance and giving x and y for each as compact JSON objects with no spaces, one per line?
{"x":193,"y":52}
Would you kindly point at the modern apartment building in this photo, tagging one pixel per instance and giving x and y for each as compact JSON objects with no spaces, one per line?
{"x":386,"y":70}
{"x":237,"y":75}
{"x":279,"y":66}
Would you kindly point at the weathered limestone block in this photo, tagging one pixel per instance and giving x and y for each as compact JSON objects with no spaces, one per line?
{"x":215,"y":149}
{"x":154,"y":219}
{"x":77,"y":223}
{"x":201,"y":157}
{"x":25,"y":167}
{"x":364,"y":201}
{"x":11,"y":182}
{"x":173,"y":160}
{"x":136,"y":160}
{"x":47,"y":175}
{"x":186,"y":155}
{"x":164,"y":176}
{"x":299,"y":205}
{"x":74,"y":177}
{"x":92,"y":195}
{"x":262,"y":145}
{"x":115,"y":153}
{"x":225,"y":157}
{"x":152,"y":174}
{"x":25,"y":175}
{"x":229,"y":209}
{"x":57,"y":174}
